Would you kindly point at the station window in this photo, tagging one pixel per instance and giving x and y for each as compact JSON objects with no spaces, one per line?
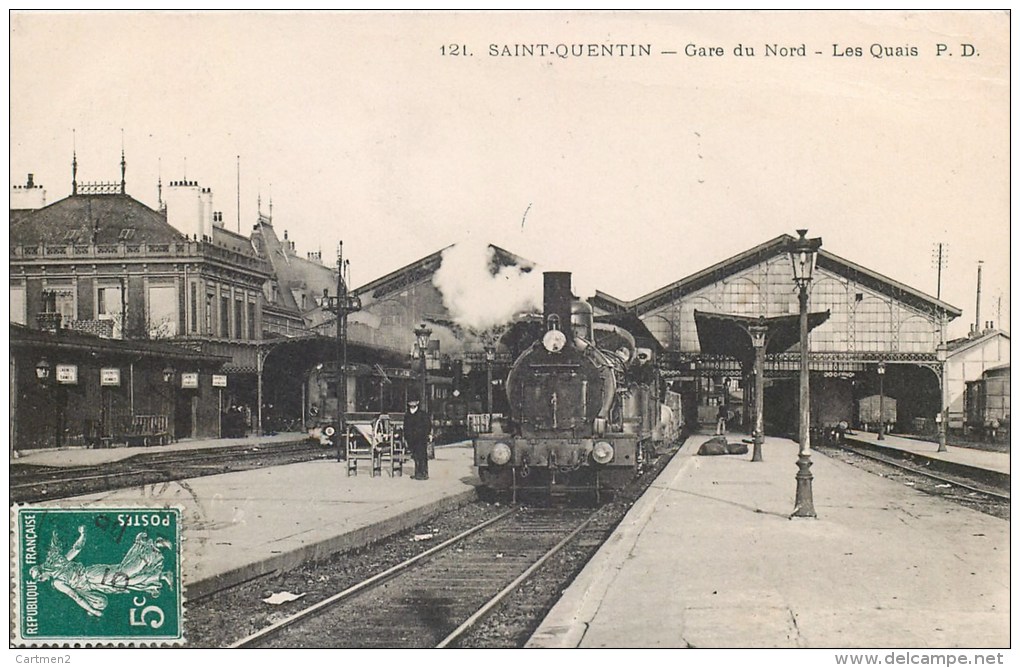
{"x":193,"y":310}
{"x":60,"y":300}
{"x":110,"y":306}
{"x":209,"y":300}
{"x":238,"y":318}
{"x":18,"y":305}
{"x":225,"y":317}
{"x":163,"y":311}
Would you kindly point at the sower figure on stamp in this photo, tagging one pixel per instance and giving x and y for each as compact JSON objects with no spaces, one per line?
{"x":141,"y":570}
{"x":417,"y":427}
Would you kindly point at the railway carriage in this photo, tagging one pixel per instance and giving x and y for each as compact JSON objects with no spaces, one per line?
{"x":986,"y":402}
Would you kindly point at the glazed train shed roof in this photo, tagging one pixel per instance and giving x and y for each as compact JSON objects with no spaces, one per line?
{"x":826,"y":260}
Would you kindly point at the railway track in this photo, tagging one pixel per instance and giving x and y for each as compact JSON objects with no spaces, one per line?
{"x":435,"y":598}
{"x":37,"y":483}
{"x":954,"y":486}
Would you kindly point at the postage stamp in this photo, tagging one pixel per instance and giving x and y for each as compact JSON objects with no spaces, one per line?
{"x":94,"y":576}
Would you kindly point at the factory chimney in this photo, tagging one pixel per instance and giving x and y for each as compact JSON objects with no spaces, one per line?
{"x":977,"y":306}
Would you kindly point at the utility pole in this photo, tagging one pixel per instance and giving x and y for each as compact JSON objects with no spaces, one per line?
{"x":342,"y":305}
{"x":939,"y":258}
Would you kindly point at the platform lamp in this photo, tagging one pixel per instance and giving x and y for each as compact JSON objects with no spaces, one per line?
{"x":44,"y":374}
{"x":758,"y":332}
{"x":422,"y":334}
{"x":941,"y":355}
{"x":881,"y":401}
{"x":168,"y":378}
{"x":490,"y":357}
{"x":803,"y":252}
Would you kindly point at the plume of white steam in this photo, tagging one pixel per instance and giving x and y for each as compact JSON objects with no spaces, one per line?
{"x":479,"y":298}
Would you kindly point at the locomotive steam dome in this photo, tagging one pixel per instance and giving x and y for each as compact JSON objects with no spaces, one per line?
{"x":581,"y":319}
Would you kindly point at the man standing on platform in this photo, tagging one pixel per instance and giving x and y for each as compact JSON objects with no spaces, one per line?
{"x":417,"y":427}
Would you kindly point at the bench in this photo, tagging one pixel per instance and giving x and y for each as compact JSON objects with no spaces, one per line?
{"x":141,"y":430}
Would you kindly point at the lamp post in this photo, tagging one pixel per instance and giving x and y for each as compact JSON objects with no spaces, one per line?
{"x":941,"y":354}
{"x":758,"y":332}
{"x":422,"y":335}
{"x":490,"y":357}
{"x":168,"y":378}
{"x":803,"y":252}
{"x":43,"y":373}
{"x":881,"y":401}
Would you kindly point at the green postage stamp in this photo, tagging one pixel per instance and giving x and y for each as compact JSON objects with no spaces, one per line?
{"x":96,"y":576}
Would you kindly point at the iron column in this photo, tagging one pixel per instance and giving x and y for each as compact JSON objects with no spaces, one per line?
{"x":802,"y":254}
{"x":881,"y":401}
{"x":758,"y":332}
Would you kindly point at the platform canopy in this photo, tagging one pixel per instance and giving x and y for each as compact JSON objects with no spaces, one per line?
{"x":728,"y":335}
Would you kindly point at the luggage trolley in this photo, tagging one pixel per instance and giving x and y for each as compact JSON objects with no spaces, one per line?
{"x":398,"y":450}
{"x":363,"y":444}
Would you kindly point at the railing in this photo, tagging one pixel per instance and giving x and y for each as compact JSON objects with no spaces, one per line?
{"x":177,"y":249}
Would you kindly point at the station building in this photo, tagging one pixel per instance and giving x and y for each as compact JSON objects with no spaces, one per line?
{"x":191,"y":317}
{"x":147,"y":283}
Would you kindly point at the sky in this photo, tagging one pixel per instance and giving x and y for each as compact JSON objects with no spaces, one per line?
{"x":630,"y":171}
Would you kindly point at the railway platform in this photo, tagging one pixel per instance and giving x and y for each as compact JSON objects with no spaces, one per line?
{"x":982,"y":459}
{"x":244,"y":524}
{"x":709,"y":557}
{"x":82,"y":456}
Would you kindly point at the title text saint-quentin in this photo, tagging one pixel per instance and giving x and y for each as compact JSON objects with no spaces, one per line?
{"x":570,"y":50}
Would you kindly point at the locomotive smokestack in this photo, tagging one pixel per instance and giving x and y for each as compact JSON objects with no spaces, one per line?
{"x":558,"y":299}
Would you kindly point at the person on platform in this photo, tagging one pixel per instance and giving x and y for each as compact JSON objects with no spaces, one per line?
{"x":417,"y":427}
{"x":720,"y":424}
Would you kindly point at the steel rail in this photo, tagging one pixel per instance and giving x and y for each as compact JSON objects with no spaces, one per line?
{"x":927,"y":474}
{"x":364,"y":584}
{"x":498,"y":598}
{"x":58,"y":475}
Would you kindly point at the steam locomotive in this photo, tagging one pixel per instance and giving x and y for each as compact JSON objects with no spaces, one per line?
{"x":583,"y":414}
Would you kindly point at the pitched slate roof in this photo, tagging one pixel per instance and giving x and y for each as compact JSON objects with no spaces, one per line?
{"x":291,"y":271}
{"x":966,"y":343}
{"x":93,"y":219}
{"x":428,"y":265}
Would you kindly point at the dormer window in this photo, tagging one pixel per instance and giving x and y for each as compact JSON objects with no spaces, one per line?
{"x":127,"y":234}
{"x":71,"y":235}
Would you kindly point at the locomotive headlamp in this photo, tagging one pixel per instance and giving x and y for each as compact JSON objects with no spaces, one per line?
{"x":602,"y":453}
{"x":329,"y":431}
{"x":500,"y":454}
{"x":554,"y":340}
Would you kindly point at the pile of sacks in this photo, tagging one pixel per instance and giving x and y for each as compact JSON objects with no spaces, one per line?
{"x":717,"y":445}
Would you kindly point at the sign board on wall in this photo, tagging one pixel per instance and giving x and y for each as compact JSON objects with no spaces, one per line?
{"x":109,"y":377}
{"x":67,"y":374}
{"x":189,"y":381}
{"x":219,"y":380}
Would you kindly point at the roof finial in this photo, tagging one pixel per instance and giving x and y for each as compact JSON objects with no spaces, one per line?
{"x":123,"y":165}
{"x":159,"y":182}
{"x":270,"y":202}
{"x":74,"y":163}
